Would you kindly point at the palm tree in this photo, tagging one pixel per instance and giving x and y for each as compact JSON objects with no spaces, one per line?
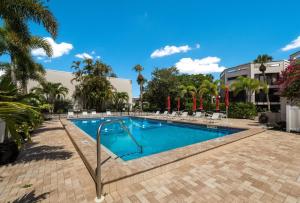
{"x":51,"y":91}
{"x":249,"y":85}
{"x":140,"y":80}
{"x":15,"y":37}
{"x":93,"y":88}
{"x":18,"y":116}
{"x":210,"y":88}
{"x":264,"y":59}
{"x":119,"y":99}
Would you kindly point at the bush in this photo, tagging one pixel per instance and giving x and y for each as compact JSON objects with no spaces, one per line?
{"x":62,"y":106}
{"x":242,"y":110}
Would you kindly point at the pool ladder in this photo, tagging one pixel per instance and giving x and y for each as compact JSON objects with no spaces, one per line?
{"x":100,"y":197}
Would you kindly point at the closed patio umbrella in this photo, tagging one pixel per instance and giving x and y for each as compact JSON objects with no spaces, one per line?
{"x":217,"y":103}
{"x":201,"y":104}
{"x":194,"y":103}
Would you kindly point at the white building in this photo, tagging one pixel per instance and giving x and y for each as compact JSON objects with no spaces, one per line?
{"x":63,"y":77}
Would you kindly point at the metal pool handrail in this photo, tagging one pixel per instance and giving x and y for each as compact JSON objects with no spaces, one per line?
{"x":100,"y":197}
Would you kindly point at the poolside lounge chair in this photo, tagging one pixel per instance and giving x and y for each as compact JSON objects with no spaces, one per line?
{"x":173,"y":114}
{"x":94,"y":113}
{"x":199,"y":114}
{"x":214,"y":116}
{"x":84,"y":113}
{"x":70,"y":114}
{"x":184,"y":116}
{"x":157,"y":113}
{"x":108,"y":113}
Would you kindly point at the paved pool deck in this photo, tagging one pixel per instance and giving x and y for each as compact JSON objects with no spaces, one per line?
{"x":260,"y":168}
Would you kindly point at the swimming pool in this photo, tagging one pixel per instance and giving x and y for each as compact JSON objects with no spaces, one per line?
{"x":153,"y":135}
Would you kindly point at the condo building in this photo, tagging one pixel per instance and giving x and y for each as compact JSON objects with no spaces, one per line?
{"x":65,"y":78}
{"x":273,"y":70}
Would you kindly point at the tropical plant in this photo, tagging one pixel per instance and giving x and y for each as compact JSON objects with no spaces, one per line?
{"x":289,"y":82}
{"x":210,"y":88}
{"x":246,"y":84}
{"x":50,"y":92}
{"x":15,"y":37}
{"x":245,"y":110}
{"x":20,"y":118}
{"x":264,"y":59}
{"x":93,"y":89}
{"x":119,"y":99}
{"x":249,"y":85}
{"x":141,"y":81}
{"x":162,"y":85}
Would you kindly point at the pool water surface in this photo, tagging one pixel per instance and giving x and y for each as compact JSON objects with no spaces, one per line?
{"x":153,"y":135}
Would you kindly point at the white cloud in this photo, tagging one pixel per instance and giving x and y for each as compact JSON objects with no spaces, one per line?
{"x":195,"y":66}
{"x":197,"y":46}
{"x":292,"y":45}
{"x":93,"y":52}
{"x":98,"y":57}
{"x":84,"y":56}
{"x":59,"y":49}
{"x":169,"y":50}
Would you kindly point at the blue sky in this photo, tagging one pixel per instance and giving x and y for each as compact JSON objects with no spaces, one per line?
{"x":201,"y":36}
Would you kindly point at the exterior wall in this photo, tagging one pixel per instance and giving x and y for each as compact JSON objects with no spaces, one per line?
{"x":56,"y":76}
{"x":252,"y":69}
{"x":121,"y":85}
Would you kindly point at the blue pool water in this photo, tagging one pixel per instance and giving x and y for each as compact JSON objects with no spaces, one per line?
{"x":154,"y":136}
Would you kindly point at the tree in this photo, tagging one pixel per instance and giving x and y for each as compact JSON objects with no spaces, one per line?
{"x":289,"y":82}
{"x":249,"y":85}
{"x":15,"y":37}
{"x":51,"y":92}
{"x":19,"y":117}
{"x":162,"y":85}
{"x":119,"y":99}
{"x":210,"y":88}
{"x":264,"y":59}
{"x":92,"y":88}
{"x":140,"y":80}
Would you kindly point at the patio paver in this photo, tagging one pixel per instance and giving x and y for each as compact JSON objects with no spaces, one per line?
{"x":260,"y":168}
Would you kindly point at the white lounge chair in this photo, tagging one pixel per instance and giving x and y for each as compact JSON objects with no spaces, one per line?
{"x":70,"y":114}
{"x":184,"y":116}
{"x":199,"y":114}
{"x":108,"y":113}
{"x":94,"y":113}
{"x":84,"y":113}
{"x":173,"y":114}
{"x":157,"y":113}
{"x":214,"y":116}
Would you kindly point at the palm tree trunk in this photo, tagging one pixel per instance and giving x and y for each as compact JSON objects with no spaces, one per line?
{"x":141,"y":96}
{"x":24,"y":87}
{"x":267,"y":94}
{"x":12,"y":71}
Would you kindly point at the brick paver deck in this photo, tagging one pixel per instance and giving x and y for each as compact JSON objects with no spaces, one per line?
{"x":261,"y":168}
{"x":49,"y":169}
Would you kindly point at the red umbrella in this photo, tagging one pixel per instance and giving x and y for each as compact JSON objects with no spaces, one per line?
{"x":201,"y":104}
{"x":217,"y":103}
{"x":194,"y":103}
{"x":178,"y":104}
{"x":169,"y":104}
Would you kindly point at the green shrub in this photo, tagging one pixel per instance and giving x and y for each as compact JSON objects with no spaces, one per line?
{"x":242,"y":110}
